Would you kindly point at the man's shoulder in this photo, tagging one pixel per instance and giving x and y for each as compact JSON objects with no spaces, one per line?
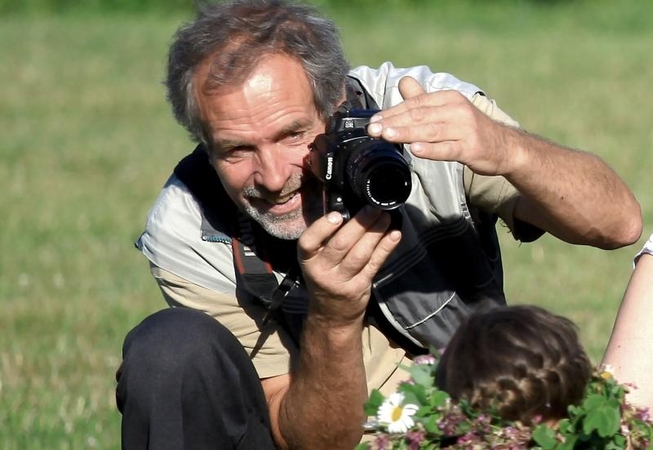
{"x":173,"y":239}
{"x":382,"y":82}
{"x":174,"y":207}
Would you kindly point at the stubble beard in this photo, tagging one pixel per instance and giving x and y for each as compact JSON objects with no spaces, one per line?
{"x":289,"y":226}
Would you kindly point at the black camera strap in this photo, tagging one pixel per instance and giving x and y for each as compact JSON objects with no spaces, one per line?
{"x":255,"y":273}
{"x":357,"y":97}
{"x":253,"y":252}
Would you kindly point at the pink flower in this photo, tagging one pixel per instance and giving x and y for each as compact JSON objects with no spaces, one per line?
{"x":424,"y":359}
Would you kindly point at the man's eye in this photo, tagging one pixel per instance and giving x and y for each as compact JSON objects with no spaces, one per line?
{"x":294,"y":136}
{"x":238,"y":150}
{"x":234,"y":153}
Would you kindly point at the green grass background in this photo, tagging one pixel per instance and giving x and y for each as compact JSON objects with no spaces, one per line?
{"x":86,"y":141}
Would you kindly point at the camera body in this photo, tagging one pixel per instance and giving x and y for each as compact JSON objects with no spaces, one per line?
{"x":356,"y":169}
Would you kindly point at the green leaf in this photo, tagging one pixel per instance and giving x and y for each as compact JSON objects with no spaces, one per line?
{"x":431,"y":425}
{"x":565,"y":426}
{"x":426,"y":411}
{"x":414,"y":394}
{"x":604,"y":419}
{"x":422,"y":374}
{"x":620,"y":441}
{"x":374,"y":403}
{"x":569,"y":443}
{"x":439,"y":399}
{"x":545,"y":437}
{"x":593,"y":401}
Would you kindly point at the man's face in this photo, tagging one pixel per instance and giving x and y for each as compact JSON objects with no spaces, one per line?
{"x":261,"y":131}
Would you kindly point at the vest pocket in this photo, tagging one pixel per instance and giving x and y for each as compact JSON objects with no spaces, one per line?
{"x":437,"y":281}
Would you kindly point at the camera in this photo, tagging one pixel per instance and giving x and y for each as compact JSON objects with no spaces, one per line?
{"x":356,"y":169}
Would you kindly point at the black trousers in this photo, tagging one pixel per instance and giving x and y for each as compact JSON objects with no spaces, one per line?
{"x":186,"y":383}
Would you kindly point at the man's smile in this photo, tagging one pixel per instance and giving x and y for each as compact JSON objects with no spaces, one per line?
{"x":277,"y":205}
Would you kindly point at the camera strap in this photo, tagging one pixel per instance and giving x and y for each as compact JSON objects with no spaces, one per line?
{"x":255,"y":273}
{"x":253,"y":251}
{"x":356,"y":97}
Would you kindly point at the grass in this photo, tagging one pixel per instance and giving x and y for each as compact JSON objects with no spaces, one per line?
{"x":87,"y":141}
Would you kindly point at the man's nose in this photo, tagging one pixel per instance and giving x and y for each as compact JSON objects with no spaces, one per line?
{"x":272,"y":169}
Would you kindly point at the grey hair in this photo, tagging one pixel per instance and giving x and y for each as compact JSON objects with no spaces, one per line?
{"x":236,"y":35}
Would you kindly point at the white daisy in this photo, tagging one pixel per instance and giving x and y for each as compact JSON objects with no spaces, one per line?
{"x":607,"y":371}
{"x":396,"y":416}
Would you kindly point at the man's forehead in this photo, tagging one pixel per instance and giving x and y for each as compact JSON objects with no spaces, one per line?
{"x":275,"y":84}
{"x":212,"y":78}
{"x":274,"y":99}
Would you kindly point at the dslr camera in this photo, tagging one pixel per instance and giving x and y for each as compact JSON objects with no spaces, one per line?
{"x":358,"y":170}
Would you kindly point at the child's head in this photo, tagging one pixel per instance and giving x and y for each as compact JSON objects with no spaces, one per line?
{"x":522,"y":360}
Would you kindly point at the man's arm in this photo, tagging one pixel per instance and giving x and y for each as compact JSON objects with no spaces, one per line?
{"x":571,"y":194}
{"x":320,"y":405}
{"x":568,"y":193}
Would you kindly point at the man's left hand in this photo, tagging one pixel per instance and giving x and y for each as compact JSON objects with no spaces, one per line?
{"x":445,"y":126}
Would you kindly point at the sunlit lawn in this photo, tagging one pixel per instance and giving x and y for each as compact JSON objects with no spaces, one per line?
{"x":87,"y":141}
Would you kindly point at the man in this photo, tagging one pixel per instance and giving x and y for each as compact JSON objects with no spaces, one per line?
{"x":255,"y":82}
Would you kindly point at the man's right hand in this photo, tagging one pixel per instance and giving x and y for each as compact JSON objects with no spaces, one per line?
{"x":340,"y":261}
{"x":319,"y":405}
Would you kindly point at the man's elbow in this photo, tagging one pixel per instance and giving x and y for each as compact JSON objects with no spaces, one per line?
{"x":627,"y":230}
{"x":633,"y":231}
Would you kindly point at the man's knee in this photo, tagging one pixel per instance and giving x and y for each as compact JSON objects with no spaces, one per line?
{"x":171,"y":346}
{"x":187,"y":381}
{"x":175,"y":332}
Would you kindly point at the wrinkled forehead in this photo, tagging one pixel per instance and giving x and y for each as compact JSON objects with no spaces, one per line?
{"x":227,"y":71}
{"x":275,"y":93}
{"x":233,"y":62}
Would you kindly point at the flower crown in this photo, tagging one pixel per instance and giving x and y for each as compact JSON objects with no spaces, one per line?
{"x":420,"y":416}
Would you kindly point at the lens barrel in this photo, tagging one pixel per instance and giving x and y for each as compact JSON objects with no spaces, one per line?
{"x":378,"y":174}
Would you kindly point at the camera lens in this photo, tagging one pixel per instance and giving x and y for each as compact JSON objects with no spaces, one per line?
{"x":386,"y":185}
{"x":378,"y":174}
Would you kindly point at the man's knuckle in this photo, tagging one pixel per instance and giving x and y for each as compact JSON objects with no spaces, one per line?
{"x":433,"y":131}
{"x":337,"y":244}
{"x":418,"y":113}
